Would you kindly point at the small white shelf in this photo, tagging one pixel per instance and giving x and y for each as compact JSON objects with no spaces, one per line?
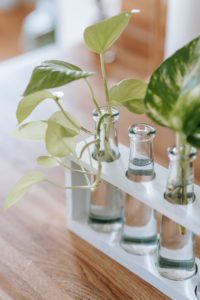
{"x":143,"y":266}
{"x":150,"y":193}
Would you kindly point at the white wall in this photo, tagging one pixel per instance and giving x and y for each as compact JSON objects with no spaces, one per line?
{"x":183,"y":23}
{"x":74,"y":16}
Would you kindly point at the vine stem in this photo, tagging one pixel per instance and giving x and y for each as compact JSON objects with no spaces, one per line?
{"x":82,"y":168}
{"x":94,"y":185}
{"x":98,"y":176}
{"x":183,"y":150}
{"x":86,"y":146}
{"x":103,"y":72}
{"x":73,"y":123}
{"x":98,"y":145}
{"x":72,"y":169}
{"x":93,"y":96}
{"x":108,"y":151}
{"x":90,"y":156}
{"x":74,"y":187}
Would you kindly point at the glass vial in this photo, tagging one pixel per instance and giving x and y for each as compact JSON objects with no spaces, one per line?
{"x":139,"y":233}
{"x":180,"y":187}
{"x":176,"y":251}
{"x":106,"y":202}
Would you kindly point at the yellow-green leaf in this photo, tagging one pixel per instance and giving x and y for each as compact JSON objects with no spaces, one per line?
{"x":102,"y":35}
{"x":54,"y":73}
{"x":47,"y":161}
{"x":172,"y":93}
{"x":22,"y":187}
{"x":59,"y":141}
{"x":136,"y":106}
{"x":34,"y":130}
{"x":66,"y":120}
{"x":129,"y":93}
{"x":29,"y":103}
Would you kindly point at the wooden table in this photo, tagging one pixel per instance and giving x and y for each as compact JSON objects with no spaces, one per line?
{"x":39,"y":257}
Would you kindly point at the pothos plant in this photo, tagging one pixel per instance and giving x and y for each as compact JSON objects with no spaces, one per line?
{"x":173,"y":100}
{"x":60,"y":131}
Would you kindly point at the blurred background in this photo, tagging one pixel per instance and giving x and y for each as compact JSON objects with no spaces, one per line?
{"x":160,"y":28}
{"x":28,"y":26}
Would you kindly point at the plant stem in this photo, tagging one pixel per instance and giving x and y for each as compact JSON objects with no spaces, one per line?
{"x":182,"y":229}
{"x":90,"y":156}
{"x":72,"y":169}
{"x":74,"y":187}
{"x":182,"y":150}
{"x":93,"y":96}
{"x":73,"y":123}
{"x":85,"y":174}
{"x":108,"y":151}
{"x":80,"y":163}
{"x":86,"y":146}
{"x":98,"y":146}
{"x":103,"y":72}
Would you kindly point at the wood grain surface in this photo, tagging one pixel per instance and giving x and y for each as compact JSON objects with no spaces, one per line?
{"x":39,"y":257}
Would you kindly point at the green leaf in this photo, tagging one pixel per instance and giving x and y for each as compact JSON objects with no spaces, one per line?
{"x":127,"y":90}
{"x":29,"y":103}
{"x":53,"y":73}
{"x":194,"y":139}
{"x":68,"y":121}
{"x":186,"y":112}
{"x":59,"y":141}
{"x":102,"y":35}
{"x":35,"y":130}
{"x":136,"y":106}
{"x":129,"y":93}
{"x":22,"y":187}
{"x":47,"y":161}
{"x":170,"y":92}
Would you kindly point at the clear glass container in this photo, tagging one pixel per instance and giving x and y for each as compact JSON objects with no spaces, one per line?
{"x":180,"y":187}
{"x":139,"y":233}
{"x":141,"y":163}
{"x":176,"y":251}
{"x":106,"y":202}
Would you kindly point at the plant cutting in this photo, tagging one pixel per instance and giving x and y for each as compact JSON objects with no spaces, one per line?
{"x":173,"y":100}
{"x":60,"y":131}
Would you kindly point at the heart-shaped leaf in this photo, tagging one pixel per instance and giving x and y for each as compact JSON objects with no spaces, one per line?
{"x":102,"y":35}
{"x":66,"y":120}
{"x":53,"y":73}
{"x":186,"y":112}
{"x":129,"y":93}
{"x":136,"y":106}
{"x":35,"y":130}
{"x":170,"y":92}
{"x":59,"y":141}
{"x":22,"y":187}
{"x":47,"y":161}
{"x":29,"y":103}
{"x":194,"y":139}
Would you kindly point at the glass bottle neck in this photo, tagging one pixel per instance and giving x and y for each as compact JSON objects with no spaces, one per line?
{"x":108,"y":134}
{"x":141,"y":164}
